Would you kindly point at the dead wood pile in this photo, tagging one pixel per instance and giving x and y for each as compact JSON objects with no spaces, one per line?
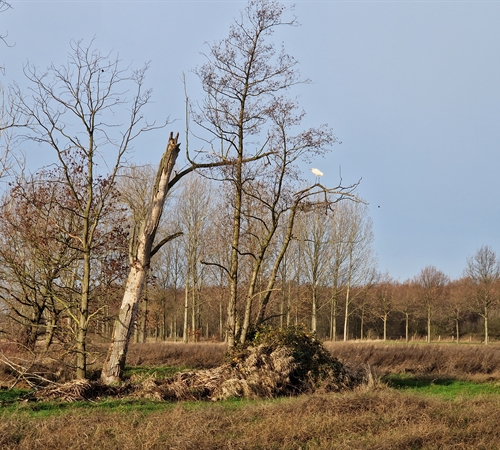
{"x":78,"y":390}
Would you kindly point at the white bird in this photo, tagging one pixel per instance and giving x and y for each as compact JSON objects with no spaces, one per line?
{"x":318,"y":174}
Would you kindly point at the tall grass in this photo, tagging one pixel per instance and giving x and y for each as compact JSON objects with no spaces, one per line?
{"x":427,"y":402}
{"x":384,"y":419}
{"x":472,"y":362}
{"x":200,"y":356}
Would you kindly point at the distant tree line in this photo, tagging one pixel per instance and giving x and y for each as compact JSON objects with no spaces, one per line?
{"x":327,"y":278}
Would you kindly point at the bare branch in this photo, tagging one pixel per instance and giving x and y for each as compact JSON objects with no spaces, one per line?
{"x":164,"y":241}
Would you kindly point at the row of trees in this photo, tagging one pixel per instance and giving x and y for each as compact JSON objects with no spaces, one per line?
{"x":339,"y":295}
{"x":327,"y":277}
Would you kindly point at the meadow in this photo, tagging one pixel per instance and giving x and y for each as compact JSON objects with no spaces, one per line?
{"x":435,"y":396}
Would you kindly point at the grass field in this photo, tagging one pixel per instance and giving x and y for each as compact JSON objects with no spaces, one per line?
{"x":423,"y":397}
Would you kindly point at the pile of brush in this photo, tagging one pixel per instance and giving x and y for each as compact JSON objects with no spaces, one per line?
{"x":78,"y":390}
{"x":276,"y":363}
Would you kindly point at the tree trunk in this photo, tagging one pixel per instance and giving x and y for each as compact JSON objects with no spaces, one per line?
{"x":314,"y":308}
{"x":143,"y":335}
{"x":195,"y":325}
{"x":249,"y":300}
{"x":346,"y":315}
{"x":142,"y":331}
{"x":83,"y":319}
{"x":274,"y":272}
{"x":185,"y":327}
{"x":288,"y":304}
{"x":333,"y":315}
{"x":428,"y":325}
{"x":233,"y":275}
{"x":486,"y":333}
{"x":174,"y":321}
{"x":407,"y":327}
{"x":164,"y":319}
{"x":348,"y":291}
{"x":115,"y":360}
{"x":221,"y":321}
{"x":51,"y":327}
{"x":282,"y":304}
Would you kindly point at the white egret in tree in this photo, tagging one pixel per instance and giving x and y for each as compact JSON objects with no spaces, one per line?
{"x":317,"y":172}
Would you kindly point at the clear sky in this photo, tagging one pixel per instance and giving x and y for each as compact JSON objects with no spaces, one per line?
{"x":411,"y":88}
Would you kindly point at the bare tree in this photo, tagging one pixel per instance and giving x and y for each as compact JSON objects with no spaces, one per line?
{"x":339,"y":229}
{"x":218,"y":255}
{"x":302,"y":201}
{"x":249,"y":121}
{"x":483,"y":274}
{"x":193,"y":213}
{"x":73,"y":110}
{"x":383,"y":296}
{"x":405,"y":299}
{"x":317,"y":257}
{"x":167,"y":270}
{"x":241,"y":78}
{"x":431,"y":286}
{"x":277,"y":198}
{"x":360,"y":263}
{"x":456,"y":304}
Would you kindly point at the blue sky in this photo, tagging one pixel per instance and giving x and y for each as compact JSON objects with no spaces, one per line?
{"x":411,"y":88}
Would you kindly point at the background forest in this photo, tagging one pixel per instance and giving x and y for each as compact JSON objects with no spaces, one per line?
{"x":245,"y":239}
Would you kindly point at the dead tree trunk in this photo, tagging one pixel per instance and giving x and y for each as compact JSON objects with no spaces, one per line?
{"x":139,"y":265}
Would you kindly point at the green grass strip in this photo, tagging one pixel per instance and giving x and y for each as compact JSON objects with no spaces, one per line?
{"x":448,"y":388}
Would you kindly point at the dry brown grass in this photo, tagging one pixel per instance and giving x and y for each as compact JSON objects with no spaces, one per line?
{"x":474,"y":362}
{"x":383,"y":419}
{"x":201,"y":355}
{"x":367,"y":418}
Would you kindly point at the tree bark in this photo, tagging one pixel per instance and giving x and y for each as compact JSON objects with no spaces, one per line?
{"x":486,"y":329}
{"x":428,"y":324}
{"x":314,"y":308}
{"x":186,"y":312}
{"x":140,"y":261}
{"x":231,"y":327}
{"x":407,"y":327}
